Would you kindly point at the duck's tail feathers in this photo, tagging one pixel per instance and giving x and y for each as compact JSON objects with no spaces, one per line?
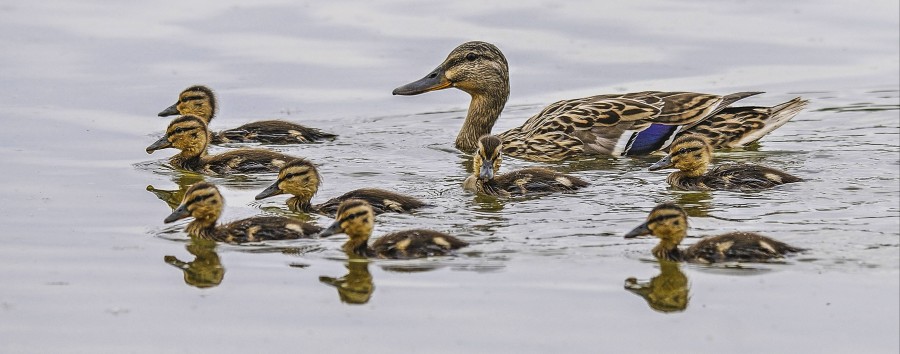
{"x":778,"y":116}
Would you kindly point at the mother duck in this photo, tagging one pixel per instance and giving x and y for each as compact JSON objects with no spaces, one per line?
{"x":618,"y":124}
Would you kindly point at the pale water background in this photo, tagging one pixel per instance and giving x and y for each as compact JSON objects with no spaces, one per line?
{"x":83,"y":244}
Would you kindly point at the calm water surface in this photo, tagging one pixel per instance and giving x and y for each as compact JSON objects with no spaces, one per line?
{"x":88,"y":265}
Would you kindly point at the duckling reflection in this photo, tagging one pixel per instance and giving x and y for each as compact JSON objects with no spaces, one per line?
{"x":694,"y":203}
{"x":173,"y":197}
{"x":666,"y":292}
{"x":691,"y":155}
{"x":356,"y":287}
{"x":200,"y":101}
{"x":206,"y":270}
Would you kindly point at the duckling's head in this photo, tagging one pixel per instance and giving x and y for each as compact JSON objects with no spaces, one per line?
{"x":478,"y":68}
{"x":691,"y":154}
{"x":186,"y":133}
{"x":202,"y":201}
{"x":355,"y":218}
{"x":298,"y":177}
{"x":666,"y":221}
{"x":198,"y":100}
{"x":486,"y":161}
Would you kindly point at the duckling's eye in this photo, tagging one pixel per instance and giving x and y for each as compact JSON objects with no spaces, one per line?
{"x":178,"y":130}
{"x":682,"y":151}
{"x":471,"y":56}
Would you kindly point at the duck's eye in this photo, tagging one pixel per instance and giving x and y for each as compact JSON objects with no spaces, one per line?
{"x":471,"y":56}
{"x":682,"y":150}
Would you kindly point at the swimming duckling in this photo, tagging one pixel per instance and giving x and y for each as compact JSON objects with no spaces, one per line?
{"x":668,"y":222}
{"x":692,"y":155}
{"x":301,"y":179}
{"x":356,"y":219}
{"x":636,"y":123}
{"x":188,"y":133}
{"x":204,"y":203}
{"x":200,"y":101}
{"x":486,"y":162}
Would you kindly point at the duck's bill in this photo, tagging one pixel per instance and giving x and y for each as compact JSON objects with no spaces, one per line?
{"x":171,"y":111}
{"x":160,"y":144}
{"x":272,"y":190}
{"x":334,"y":229}
{"x":666,"y":162}
{"x":436,"y":80}
{"x":641,"y":230}
{"x":179,"y":213}
{"x":486,"y":173}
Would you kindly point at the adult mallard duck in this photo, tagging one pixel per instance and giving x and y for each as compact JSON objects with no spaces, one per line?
{"x":189,"y":134}
{"x":668,"y":222}
{"x":692,"y":155}
{"x":301,"y":179}
{"x":356,"y":219}
{"x":200,"y":101}
{"x":204,"y":203}
{"x":603,"y":124}
{"x":486,"y":162}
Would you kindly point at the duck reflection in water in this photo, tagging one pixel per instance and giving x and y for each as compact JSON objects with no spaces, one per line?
{"x":356,"y":287}
{"x":206,"y":270}
{"x":666,"y":292}
{"x":173,"y":197}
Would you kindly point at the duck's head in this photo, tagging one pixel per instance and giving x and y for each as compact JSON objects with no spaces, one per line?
{"x":355,"y":218}
{"x":666,"y":221}
{"x":691,"y":154}
{"x":198,"y":100}
{"x":298,"y":177}
{"x":486,"y":161}
{"x":186,"y":133}
{"x":478,"y":68}
{"x":202,"y":201}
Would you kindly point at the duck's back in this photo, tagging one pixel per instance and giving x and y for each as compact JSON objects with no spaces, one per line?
{"x":746,"y":177}
{"x":533,"y":180}
{"x":271,"y":132}
{"x":382,"y":201}
{"x":737,"y":247}
{"x":245,"y":161}
{"x":264,"y":228}
{"x":415,"y":244}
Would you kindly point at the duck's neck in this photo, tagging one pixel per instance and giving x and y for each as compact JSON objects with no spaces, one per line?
{"x":297,"y":203}
{"x":202,"y":228}
{"x":357,"y":245}
{"x":484,"y":109}
{"x":668,"y":250}
{"x":190,"y":158}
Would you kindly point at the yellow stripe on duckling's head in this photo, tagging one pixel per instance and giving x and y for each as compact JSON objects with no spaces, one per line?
{"x":201,"y":201}
{"x":486,"y":161}
{"x":690,"y":153}
{"x":298,"y":177}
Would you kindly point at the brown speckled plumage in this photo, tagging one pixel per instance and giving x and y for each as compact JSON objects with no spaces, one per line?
{"x":200,"y":100}
{"x":668,"y":222}
{"x":204,"y":203}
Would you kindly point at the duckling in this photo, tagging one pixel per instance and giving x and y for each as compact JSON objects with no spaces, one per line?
{"x":301,"y":179}
{"x":204,"y":203}
{"x":356,"y":219}
{"x":518,"y":182}
{"x":188,"y":133}
{"x":666,"y":292}
{"x":692,"y":155}
{"x":568,"y":129}
{"x":668,"y":222}
{"x":200,"y":101}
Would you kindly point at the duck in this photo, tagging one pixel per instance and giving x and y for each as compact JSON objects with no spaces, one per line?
{"x":199,"y":100}
{"x":204,"y":203}
{"x":606,"y":125}
{"x":188,"y":133}
{"x":668,"y":222}
{"x":525,"y":181}
{"x":356,"y":219}
{"x":692,"y":154}
{"x":301,"y":178}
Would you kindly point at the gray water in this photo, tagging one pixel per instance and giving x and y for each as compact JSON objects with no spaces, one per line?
{"x":85,"y":255}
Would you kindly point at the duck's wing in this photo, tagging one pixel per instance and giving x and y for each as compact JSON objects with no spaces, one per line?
{"x":272,"y":132}
{"x":598,"y":124}
{"x":263,"y":228}
{"x":416,"y":244}
{"x":746,"y":177}
{"x":735,"y":127}
{"x":535,"y":180}
{"x":382,"y":201}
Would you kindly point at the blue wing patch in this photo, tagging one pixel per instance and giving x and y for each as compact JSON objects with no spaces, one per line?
{"x":646,"y":141}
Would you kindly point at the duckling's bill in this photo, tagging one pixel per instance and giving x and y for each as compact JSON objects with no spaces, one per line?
{"x":642,"y":229}
{"x":666,"y":162}
{"x":436,"y":80}
{"x":160,"y":144}
{"x":271,"y":191}
{"x":486,"y":173}
{"x":334,"y":229}
{"x":179,"y":213}
{"x":171,"y":111}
